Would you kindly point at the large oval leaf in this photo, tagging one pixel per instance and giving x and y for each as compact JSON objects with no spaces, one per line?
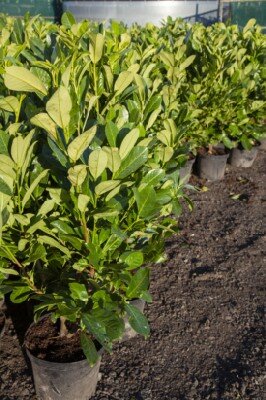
{"x":124,"y":79}
{"x":43,"y":121}
{"x":137,"y":320}
{"x":128,"y":142}
{"x":77,"y":147}
{"x":97,"y":162}
{"x":96,"y":47}
{"x":134,"y":160}
{"x":22,"y":80}
{"x":59,"y":107}
{"x":77,"y":174}
{"x":9,"y":103}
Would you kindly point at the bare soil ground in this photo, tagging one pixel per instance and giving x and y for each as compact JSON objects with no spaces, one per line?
{"x":207,"y":315}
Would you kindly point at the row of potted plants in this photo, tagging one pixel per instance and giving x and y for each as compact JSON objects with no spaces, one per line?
{"x":96,"y":125}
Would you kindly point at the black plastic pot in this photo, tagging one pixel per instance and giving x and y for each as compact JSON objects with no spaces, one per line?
{"x":129,"y":332}
{"x":185,"y":172}
{"x":211,"y":167}
{"x":242,"y":158}
{"x":64,"y":381}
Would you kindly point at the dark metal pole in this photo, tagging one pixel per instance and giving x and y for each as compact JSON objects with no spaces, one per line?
{"x":220,"y":11}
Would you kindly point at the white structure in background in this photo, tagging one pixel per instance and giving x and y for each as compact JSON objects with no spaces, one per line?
{"x":142,"y":11}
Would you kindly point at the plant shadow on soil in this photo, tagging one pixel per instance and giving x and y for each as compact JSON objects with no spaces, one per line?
{"x":232,"y":371}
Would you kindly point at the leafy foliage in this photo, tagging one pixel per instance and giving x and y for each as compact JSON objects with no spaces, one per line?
{"x":95,"y":125}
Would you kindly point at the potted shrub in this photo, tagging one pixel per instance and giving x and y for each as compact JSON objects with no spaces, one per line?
{"x":80,"y":246}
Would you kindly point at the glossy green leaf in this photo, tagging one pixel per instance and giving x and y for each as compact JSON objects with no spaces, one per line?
{"x":96,"y":47}
{"x":77,"y":174}
{"x":34,"y":184}
{"x":68,"y":19}
{"x":4,"y":142}
{"x":133,"y":259}
{"x":111,"y":131}
{"x":138,"y":284}
{"x":79,"y":291}
{"x":10,"y":103}
{"x":153,"y":177}
{"x":147,"y":203}
{"x":128,"y":142}
{"x":124,"y":79}
{"x":5,"y":188}
{"x":137,"y":320}
{"x":59,"y":107}
{"x":106,"y":186}
{"x":22,"y":80}
{"x":89,"y":349}
{"x":113,"y":158}
{"x":187,"y":62}
{"x":43,"y":121}
{"x":77,"y":147}
{"x":134,"y":160}
{"x":97,"y":163}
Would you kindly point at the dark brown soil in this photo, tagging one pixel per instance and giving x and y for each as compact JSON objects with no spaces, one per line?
{"x":215,"y":151}
{"x":43,"y":340}
{"x":207,"y":321}
{"x":2,"y":321}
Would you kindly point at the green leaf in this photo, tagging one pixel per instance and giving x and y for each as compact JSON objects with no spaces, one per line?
{"x":37,"y":253}
{"x":21,"y":79}
{"x":114,"y":160}
{"x":10,"y":104}
{"x":5,"y":188}
{"x":79,"y":291}
{"x":96,"y":47}
{"x":57,"y":152}
{"x":18,"y":150}
{"x":77,"y":147}
{"x":95,"y":327}
{"x":246,"y":142}
{"x":77,"y":174}
{"x":43,"y":239}
{"x":97,"y":163}
{"x":249,"y":25}
{"x":139,"y":283}
{"x":43,"y":121}
{"x":137,"y":320}
{"x":111,"y":131}
{"x":124,"y":79}
{"x":128,"y":142}
{"x":134,"y":160}
{"x":68,"y":19}
{"x":20,"y":294}
{"x":46,"y":207}
{"x":83,"y":201}
{"x":153,"y":177}
{"x":89,"y":349}
{"x":133,"y":259}
{"x":4,"y":141}
{"x":147,"y":203}
{"x":187,"y":62}
{"x":106,"y":186}
{"x":59,"y":107}
{"x":62,"y":227}
{"x":32,"y":187}
{"x":8,"y":271}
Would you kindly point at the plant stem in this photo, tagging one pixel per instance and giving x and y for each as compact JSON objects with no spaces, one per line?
{"x":85,"y":228}
{"x":63,"y":328}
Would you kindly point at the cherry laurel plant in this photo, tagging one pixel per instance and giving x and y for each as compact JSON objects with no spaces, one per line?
{"x":95,"y":124}
{"x":86,"y":196}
